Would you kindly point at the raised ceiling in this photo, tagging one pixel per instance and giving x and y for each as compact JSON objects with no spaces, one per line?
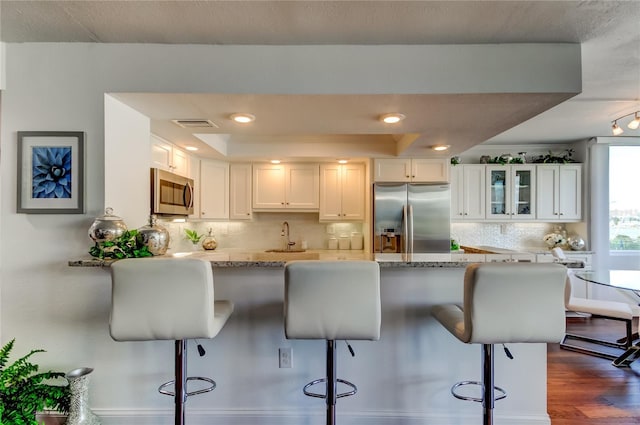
{"x":608,"y":31}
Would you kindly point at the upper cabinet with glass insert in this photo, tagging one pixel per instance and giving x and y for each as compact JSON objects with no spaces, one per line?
{"x":510,"y":192}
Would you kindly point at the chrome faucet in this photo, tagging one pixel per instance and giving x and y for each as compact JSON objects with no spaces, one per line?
{"x":285,"y":232}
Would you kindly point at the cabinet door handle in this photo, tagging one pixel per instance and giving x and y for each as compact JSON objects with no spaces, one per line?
{"x":281,"y":203}
{"x":561,"y":213}
{"x":465,"y":214}
{"x":248,"y":213}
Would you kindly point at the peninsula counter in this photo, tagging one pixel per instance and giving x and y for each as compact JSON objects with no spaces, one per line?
{"x":404,"y":377}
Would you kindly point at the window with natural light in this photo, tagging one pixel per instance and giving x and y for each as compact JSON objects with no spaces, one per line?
{"x":624,"y":202}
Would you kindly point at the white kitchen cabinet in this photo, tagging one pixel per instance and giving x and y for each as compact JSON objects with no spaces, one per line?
{"x":214,"y":190}
{"x":411,"y":170}
{"x":510,"y":193}
{"x":286,"y":186}
{"x":342,"y":192}
{"x":240,"y":192}
{"x":468,"y":192}
{"x":559,"y":192}
{"x":167,"y":156}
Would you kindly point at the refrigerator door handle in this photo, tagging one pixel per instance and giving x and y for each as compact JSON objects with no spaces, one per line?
{"x":410,"y":229}
{"x":405,"y":229}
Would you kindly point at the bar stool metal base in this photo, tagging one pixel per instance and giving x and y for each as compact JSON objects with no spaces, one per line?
{"x":332,"y":383}
{"x":503,"y":393}
{"x":180,"y":392}
{"x":211,"y":387}
{"x":489,"y":397}
{"x":339,"y":395}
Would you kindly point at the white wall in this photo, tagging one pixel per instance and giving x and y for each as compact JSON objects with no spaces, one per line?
{"x":126,"y":174}
{"x":53,"y":87}
{"x":3,"y":62}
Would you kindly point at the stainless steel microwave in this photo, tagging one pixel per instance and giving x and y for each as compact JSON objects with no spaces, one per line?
{"x":171,"y":194}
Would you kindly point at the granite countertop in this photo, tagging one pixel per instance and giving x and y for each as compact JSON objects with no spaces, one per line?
{"x":252,"y":258}
{"x":246,"y":258}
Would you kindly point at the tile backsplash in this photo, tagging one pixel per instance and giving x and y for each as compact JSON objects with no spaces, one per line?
{"x":263,"y":232}
{"x":505,"y":235}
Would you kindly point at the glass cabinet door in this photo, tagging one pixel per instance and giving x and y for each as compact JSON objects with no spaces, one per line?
{"x":498,"y":205}
{"x":511,"y":192}
{"x":523,"y":179}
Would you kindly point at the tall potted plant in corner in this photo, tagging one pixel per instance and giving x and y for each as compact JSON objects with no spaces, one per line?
{"x":24,"y":391}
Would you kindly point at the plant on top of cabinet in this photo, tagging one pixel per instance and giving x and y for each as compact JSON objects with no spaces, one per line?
{"x":551,"y":158}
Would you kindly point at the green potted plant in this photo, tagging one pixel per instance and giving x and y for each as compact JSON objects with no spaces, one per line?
{"x":193,"y":236}
{"x":24,"y":391}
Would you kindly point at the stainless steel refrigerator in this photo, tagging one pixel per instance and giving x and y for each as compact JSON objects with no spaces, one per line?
{"x":411,"y":217}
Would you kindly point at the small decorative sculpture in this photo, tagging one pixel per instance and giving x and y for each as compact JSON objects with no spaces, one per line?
{"x":209,"y":242}
{"x":79,"y":411}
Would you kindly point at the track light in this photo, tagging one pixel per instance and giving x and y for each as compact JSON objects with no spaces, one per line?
{"x":633,"y":124}
{"x":616,"y":129}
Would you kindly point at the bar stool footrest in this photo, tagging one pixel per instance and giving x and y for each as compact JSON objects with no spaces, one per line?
{"x":211,"y":387}
{"x":502,"y":393}
{"x":340,"y":395}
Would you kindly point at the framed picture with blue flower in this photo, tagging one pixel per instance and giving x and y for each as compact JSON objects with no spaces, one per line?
{"x":51,"y":172}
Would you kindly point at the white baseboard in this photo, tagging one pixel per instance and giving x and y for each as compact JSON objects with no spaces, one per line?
{"x":274,"y":417}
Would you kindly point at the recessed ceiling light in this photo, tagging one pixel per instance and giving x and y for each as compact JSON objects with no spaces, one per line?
{"x":440,"y":147}
{"x":191,"y":148}
{"x":392,"y":118}
{"x":342,"y":161}
{"x":275,"y":161}
{"x":243,"y":118}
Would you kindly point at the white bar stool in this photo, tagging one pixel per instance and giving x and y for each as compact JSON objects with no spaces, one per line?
{"x":505,"y":303}
{"x":332,"y":300}
{"x":167,"y":299}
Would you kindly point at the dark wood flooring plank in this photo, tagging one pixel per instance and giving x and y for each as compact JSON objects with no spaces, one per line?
{"x":587,"y":390}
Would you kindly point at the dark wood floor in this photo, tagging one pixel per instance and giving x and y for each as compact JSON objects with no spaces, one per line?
{"x":587,"y":390}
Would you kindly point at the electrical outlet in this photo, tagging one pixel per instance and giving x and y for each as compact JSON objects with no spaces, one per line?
{"x":285,"y":356}
{"x":331,"y":229}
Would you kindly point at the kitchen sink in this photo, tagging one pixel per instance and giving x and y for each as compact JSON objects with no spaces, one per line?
{"x":285,"y":250}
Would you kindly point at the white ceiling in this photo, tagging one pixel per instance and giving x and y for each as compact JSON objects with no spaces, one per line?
{"x":609,"y":32}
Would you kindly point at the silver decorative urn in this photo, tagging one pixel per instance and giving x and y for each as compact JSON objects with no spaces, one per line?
{"x":154,"y":236}
{"x":107,"y":227}
{"x":79,"y":411}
